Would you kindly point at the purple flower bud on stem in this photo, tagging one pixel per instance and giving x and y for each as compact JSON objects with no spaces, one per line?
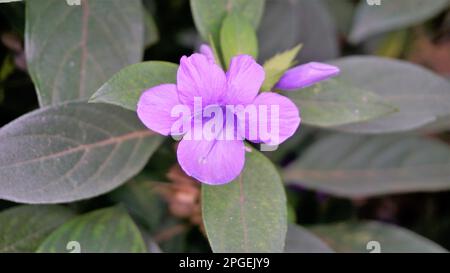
{"x":306,"y":75}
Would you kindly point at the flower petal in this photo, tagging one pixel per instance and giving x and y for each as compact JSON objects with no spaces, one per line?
{"x":306,"y":75}
{"x":155,"y":106}
{"x":207,"y":51}
{"x":277,"y":118}
{"x":213,"y":162}
{"x":198,"y":77}
{"x":245,"y":77}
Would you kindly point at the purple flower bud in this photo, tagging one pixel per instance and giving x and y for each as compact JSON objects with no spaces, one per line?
{"x":306,"y":75}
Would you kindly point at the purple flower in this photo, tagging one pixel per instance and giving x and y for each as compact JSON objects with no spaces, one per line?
{"x":306,"y":75}
{"x":227,"y":104}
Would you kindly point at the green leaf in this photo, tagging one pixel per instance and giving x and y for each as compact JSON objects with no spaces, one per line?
{"x":355,"y":236}
{"x":23,"y":228}
{"x":295,"y":144}
{"x":7,"y":68}
{"x":214,"y":48}
{"x":358,"y":166}
{"x":277,"y":65}
{"x":140,"y":199}
{"x":333,"y":103}
{"x":287,"y":23}
{"x":208,"y":15}
{"x":72,"y":50}
{"x":237,"y":37}
{"x":419,"y":95}
{"x":151,"y":35}
{"x":392,"y":15}
{"x":300,"y":240}
{"x":105,"y":230}
{"x":125,"y":87}
{"x":71,"y":152}
{"x":249,"y":214}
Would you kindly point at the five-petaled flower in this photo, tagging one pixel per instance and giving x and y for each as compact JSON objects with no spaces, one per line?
{"x":220,"y":160}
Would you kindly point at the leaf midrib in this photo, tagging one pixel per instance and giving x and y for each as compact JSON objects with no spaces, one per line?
{"x":85,"y":147}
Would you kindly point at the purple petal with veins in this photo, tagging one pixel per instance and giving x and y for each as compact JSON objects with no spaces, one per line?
{"x":217,"y":161}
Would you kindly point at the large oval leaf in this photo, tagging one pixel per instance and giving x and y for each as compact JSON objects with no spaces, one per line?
{"x":71,"y":151}
{"x":363,"y":237}
{"x":392,"y":15}
{"x":249,"y":214}
{"x":72,"y":50}
{"x":300,"y":240}
{"x":419,"y":95}
{"x":23,"y":228}
{"x":286,"y":24}
{"x":105,"y":230}
{"x":355,"y":166}
{"x":125,"y":87}
{"x":333,"y":103}
{"x":208,"y":15}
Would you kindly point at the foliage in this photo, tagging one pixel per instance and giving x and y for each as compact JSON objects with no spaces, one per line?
{"x":372,"y":142}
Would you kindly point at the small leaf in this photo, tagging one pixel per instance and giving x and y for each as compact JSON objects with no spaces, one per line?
{"x":237,"y":37}
{"x":277,"y":65}
{"x":125,"y":87}
{"x":356,"y":237}
{"x":393,"y":45}
{"x":208,"y":15}
{"x":72,"y":50}
{"x":333,"y":102}
{"x":71,"y":152}
{"x":419,"y":95}
{"x":249,"y":214}
{"x":23,"y":228}
{"x":105,"y":230}
{"x":300,"y":240}
{"x":392,"y":15}
{"x":7,"y":68}
{"x":151,"y":35}
{"x":361,"y":166}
